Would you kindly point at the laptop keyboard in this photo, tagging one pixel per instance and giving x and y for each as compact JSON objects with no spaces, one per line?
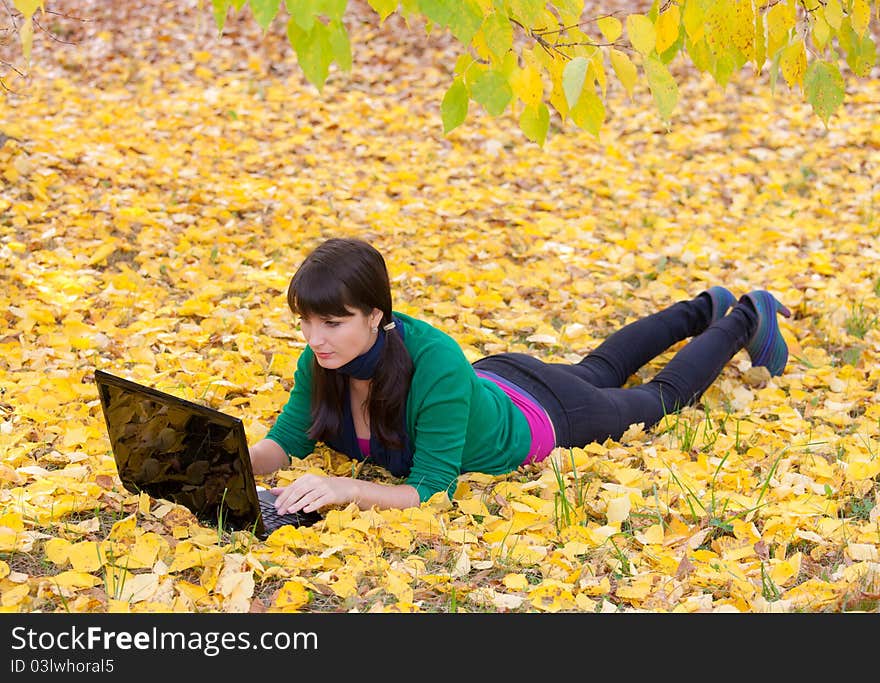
{"x":272,"y":520}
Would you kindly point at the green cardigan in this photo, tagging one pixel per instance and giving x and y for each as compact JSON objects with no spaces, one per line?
{"x":457,"y":422}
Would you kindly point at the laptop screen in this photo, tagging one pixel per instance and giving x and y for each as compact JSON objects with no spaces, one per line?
{"x":177,"y":450}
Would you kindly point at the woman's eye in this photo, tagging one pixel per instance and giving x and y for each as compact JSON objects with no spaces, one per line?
{"x":332,"y":323}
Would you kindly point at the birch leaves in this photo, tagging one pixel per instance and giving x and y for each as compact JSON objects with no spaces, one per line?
{"x":531,"y":57}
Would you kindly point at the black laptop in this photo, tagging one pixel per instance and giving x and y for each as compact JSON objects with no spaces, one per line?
{"x":189,"y":454}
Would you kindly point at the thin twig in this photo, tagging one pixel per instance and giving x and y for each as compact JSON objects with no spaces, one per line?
{"x":52,"y":35}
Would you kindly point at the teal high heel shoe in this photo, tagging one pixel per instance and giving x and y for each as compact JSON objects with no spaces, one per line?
{"x":722,"y":299}
{"x":767,"y":348}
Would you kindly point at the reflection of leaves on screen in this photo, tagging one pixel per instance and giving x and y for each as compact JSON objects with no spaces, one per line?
{"x":172,"y":454}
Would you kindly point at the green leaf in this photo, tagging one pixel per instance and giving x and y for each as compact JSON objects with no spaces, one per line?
{"x":499,"y":33}
{"x":314,"y":51}
{"x":492,"y":90}
{"x":573,"y":76}
{"x":302,"y":12}
{"x":463,"y":17}
{"x":535,"y":122}
{"x":861,"y":53}
{"x":221,"y":9}
{"x":662,"y":86}
{"x":332,"y":9}
{"x":265,"y":11}
{"x":589,"y":112}
{"x":340,"y":45}
{"x":384,"y":8}
{"x":824,"y":88}
{"x":454,"y":107}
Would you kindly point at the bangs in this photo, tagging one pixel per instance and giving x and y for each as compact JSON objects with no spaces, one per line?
{"x":314,"y":291}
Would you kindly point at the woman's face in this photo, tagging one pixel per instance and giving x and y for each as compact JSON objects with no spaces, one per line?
{"x":336,"y":340}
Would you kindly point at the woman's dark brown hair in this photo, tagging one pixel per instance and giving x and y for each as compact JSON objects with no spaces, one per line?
{"x":339,"y":275}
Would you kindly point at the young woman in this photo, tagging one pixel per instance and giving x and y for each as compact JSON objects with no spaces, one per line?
{"x":378,"y":384}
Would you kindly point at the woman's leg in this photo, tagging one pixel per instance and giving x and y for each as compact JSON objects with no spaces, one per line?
{"x":607,"y":412}
{"x":633,"y":346}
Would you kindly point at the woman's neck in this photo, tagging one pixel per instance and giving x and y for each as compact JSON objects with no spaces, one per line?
{"x":360,"y":386}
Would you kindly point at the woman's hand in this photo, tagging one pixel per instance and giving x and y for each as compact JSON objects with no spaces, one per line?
{"x":312,"y":492}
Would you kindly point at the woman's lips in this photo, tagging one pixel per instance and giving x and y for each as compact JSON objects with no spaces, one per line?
{"x":323,"y":355}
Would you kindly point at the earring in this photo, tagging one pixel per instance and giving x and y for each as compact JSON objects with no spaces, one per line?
{"x":374,"y":330}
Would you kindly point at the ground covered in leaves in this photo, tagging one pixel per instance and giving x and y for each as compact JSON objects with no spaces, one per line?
{"x":159,"y":188}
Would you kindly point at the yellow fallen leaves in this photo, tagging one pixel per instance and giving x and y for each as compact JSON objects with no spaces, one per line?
{"x":126,"y":244}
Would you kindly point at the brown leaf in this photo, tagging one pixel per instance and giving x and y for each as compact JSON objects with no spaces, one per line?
{"x":105,"y":481}
{"x":684,"y":568}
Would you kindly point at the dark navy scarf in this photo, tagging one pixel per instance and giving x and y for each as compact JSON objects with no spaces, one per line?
{"x":398,"y":462}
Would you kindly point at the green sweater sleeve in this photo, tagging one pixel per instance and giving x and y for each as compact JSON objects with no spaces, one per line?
{"x":439,"y":410}
{"x":290,"y":430}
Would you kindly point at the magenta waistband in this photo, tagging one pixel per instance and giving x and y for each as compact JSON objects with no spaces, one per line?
{"x":543,"y":434}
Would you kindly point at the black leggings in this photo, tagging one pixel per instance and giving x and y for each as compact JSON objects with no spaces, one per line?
{"x":586,"y":401}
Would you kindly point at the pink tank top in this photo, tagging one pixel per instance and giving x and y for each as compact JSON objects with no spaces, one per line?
{"x":364,"y":446}
{"x":543,"y":435}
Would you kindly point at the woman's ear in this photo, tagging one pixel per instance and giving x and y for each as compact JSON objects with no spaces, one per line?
{"x":375,"y":317}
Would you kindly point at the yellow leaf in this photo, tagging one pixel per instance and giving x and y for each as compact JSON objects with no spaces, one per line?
{"x":668,"y":27}
{"x":516,"y":582}
{"x":14,"y":595}
{"x":833,"y":13}
{"x":527,"y":85}
{"x":57,"y":550}
{"x":26,"y":33}
{"x":75,"y":580}
{"x":780,"y":20}
{"x":123,"y":529}
{"x":473,"y":506}
{"x":397,"y":536}
{"x":637,"y":588}
{"x":291,"y":597}
{"x":863,"y":552}
{"x":784,"y":571}
{"x":611,"y":28}
{"x":86,"y":556}
{"x":860,"y":17}
{"x":398,"y":584}
{"x":624,"y":68}
{"x":693,"y":20}
{"x":235,"y":584}
{"x":12,"y":520}
{"x":552,"y":596}
{"x":102,"y":252}
{"x":133,"y":587}
{"x":642,"y":33}
{"x":345,"y":586}
{"x":793,"y":63}
{"x":742,"y":27}
{"x":193,"y":592}
{"x":145,"y":551}
{"x":618,"y":510}
{"x":653,"y":535}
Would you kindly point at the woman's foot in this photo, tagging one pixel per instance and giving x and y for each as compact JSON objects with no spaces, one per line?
{"x":722,"y":299}
{"x":767,"y":348}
